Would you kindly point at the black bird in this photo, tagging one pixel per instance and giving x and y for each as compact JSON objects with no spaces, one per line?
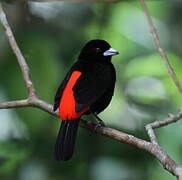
{"x":87,"y":88}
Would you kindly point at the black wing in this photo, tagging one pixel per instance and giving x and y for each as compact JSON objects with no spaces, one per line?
{"x":90,"y":86}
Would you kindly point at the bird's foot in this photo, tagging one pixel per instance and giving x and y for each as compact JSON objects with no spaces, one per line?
{"x":99,"y":121}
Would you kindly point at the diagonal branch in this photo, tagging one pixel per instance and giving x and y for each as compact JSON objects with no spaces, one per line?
{"x":21,"y":60}
{"x":106,"y":131}
{"x":157,"y":124}
{"x":152,"y":148}
{"x":157,"y":42}
{"x":33,"y":101}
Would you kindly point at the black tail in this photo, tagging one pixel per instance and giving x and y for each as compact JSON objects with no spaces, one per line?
{"x":66,"y":139}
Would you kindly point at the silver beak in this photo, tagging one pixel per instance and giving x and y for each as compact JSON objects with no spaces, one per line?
{"x":110,"y":52}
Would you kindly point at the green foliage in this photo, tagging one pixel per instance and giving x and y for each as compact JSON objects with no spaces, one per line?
{"x":50,"y":36}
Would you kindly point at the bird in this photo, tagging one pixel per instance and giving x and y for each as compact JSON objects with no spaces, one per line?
{"x":87,"y":88}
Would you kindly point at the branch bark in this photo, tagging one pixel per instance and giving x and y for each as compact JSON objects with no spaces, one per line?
{"x":21,"y":60}
{"x":32,"y":100}
{"x":161,"y":51}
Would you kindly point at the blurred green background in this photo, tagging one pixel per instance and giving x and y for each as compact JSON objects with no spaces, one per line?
{"x":50,"y":36}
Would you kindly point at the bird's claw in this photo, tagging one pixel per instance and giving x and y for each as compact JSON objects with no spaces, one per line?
{"x":98,"y":125}
{"x":101,"y":123}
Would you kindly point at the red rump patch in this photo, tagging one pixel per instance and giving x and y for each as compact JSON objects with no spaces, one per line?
{"x":67,"y":103}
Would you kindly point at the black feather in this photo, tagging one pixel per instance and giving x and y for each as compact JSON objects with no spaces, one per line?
{"x":94,"y":83}
{"x":93,"y":89}
{"x":66,"y":139}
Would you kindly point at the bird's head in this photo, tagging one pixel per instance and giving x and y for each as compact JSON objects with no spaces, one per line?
{"x":97,"y":50}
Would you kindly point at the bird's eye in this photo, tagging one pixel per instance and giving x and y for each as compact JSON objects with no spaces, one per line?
{"x":98,"y":50}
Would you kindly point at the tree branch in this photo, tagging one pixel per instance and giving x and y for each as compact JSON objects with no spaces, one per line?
{"x":14,"y":104}
{"x":152,"y":148}
{"x":21,"y":60}
{"x":161,"y":51}
{"x":33,"y":101}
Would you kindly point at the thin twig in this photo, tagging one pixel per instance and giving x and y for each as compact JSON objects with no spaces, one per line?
{"x":151,"y":134}
{"x":169,"y":120}
{"x":21,"y":60}
{"x":161,"y":51}
{"x":157,"y":124}
{"x":33,"y":101}
{"x":176,"y":168}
